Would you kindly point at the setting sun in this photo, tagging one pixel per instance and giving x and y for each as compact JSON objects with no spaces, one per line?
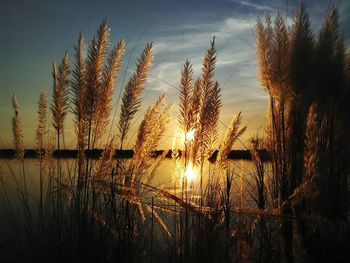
{"x":190,"y":172}
{"x":188,"y":136}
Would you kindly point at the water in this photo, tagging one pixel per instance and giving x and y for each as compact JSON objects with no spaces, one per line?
{"x":167,"y":177}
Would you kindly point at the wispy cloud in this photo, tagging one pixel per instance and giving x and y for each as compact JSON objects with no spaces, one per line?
{"x":163,"y":77}
{"x":234,"y":41}
{"x":253,"y":5}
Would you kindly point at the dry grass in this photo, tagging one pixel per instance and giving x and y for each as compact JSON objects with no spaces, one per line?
{"x":59,"y":105}
{"x":78,"y":90}
{"x":17,"y":131}
{"x":131,"y":99}
{"x":186,"y":117}
{"x":233,"y":132}
{"x":304,"y":75}
{"x":107,"y":89}
{"x":42,"y":118}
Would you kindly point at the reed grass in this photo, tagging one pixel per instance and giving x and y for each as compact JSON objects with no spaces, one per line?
{"x":78,"y":91}
{"x":292,"y":68}
{"x":131,"y":99}
{"x":17,"y":131}
{"x":59,"y":105}
{"x":107,"y":88}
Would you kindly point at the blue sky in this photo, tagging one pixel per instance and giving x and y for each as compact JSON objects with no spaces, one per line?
{"x":35,"y":33}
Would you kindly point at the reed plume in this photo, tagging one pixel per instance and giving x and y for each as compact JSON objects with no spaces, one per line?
{"x":42,"y":118}
{"x":195,"y":102}
{"x":59,"y":105}
{"x":330,"y":58}
{"x":280,"y":59}
{"x":212,"y":107}
{"x":104,"y":102}
{"x":152,"y":127}
{"x":208,"y":69}
{"x":233,"y":132}
{"x":208,"y":106}
{"x":301,"y":56}
{"x":94,"y":76}
{"x":150,"y":130}
{"x":263,"y":36}
{"x":17,"y":131}
{"x":79,"y":103}
{"x":186,"y":96}
{"x":131,"y":99}
{"x":78,"y":91}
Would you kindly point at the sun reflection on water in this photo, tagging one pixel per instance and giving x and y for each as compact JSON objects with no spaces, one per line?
{"x":184,"y":168}
{"x":190,"y":173}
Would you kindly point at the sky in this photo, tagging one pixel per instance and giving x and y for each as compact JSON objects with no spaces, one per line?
{"x":36,"y":33}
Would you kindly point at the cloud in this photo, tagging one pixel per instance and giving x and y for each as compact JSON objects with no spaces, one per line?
{"x":163,"y":76}
{"x":235,"y":24}
{"x":234,"y":42}
{"x":195,"y":36}
{"x":253,"y":5}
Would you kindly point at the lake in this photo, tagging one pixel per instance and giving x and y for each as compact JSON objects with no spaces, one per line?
{"x":167,"y":172}
{"x":167,"y":177}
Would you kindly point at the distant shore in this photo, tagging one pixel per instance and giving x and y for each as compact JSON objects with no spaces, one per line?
{"x":96,"y":153}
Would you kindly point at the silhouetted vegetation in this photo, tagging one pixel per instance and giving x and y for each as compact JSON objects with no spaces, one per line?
{"x":307,"y":80}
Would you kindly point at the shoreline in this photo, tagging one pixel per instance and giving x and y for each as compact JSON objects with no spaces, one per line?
{"x":124,"y":154}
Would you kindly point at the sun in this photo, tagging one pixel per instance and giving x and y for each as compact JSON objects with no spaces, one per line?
{"x":190,"y":173}
{"x":187,"y":136}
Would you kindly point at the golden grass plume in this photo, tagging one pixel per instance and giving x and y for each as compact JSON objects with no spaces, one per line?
{"x":17,"y":130}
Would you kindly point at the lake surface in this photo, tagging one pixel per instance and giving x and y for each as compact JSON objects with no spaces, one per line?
{"x":167,"y":175}
{"x":168,"y":171}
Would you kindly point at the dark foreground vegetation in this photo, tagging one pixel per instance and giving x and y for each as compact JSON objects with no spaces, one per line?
{"x":294,"y":208}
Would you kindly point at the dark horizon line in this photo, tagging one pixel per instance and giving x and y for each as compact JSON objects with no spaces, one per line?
{"x":124,"y":154}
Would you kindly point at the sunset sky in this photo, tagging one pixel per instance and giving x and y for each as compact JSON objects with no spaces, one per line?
{"x":36,"y":33}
